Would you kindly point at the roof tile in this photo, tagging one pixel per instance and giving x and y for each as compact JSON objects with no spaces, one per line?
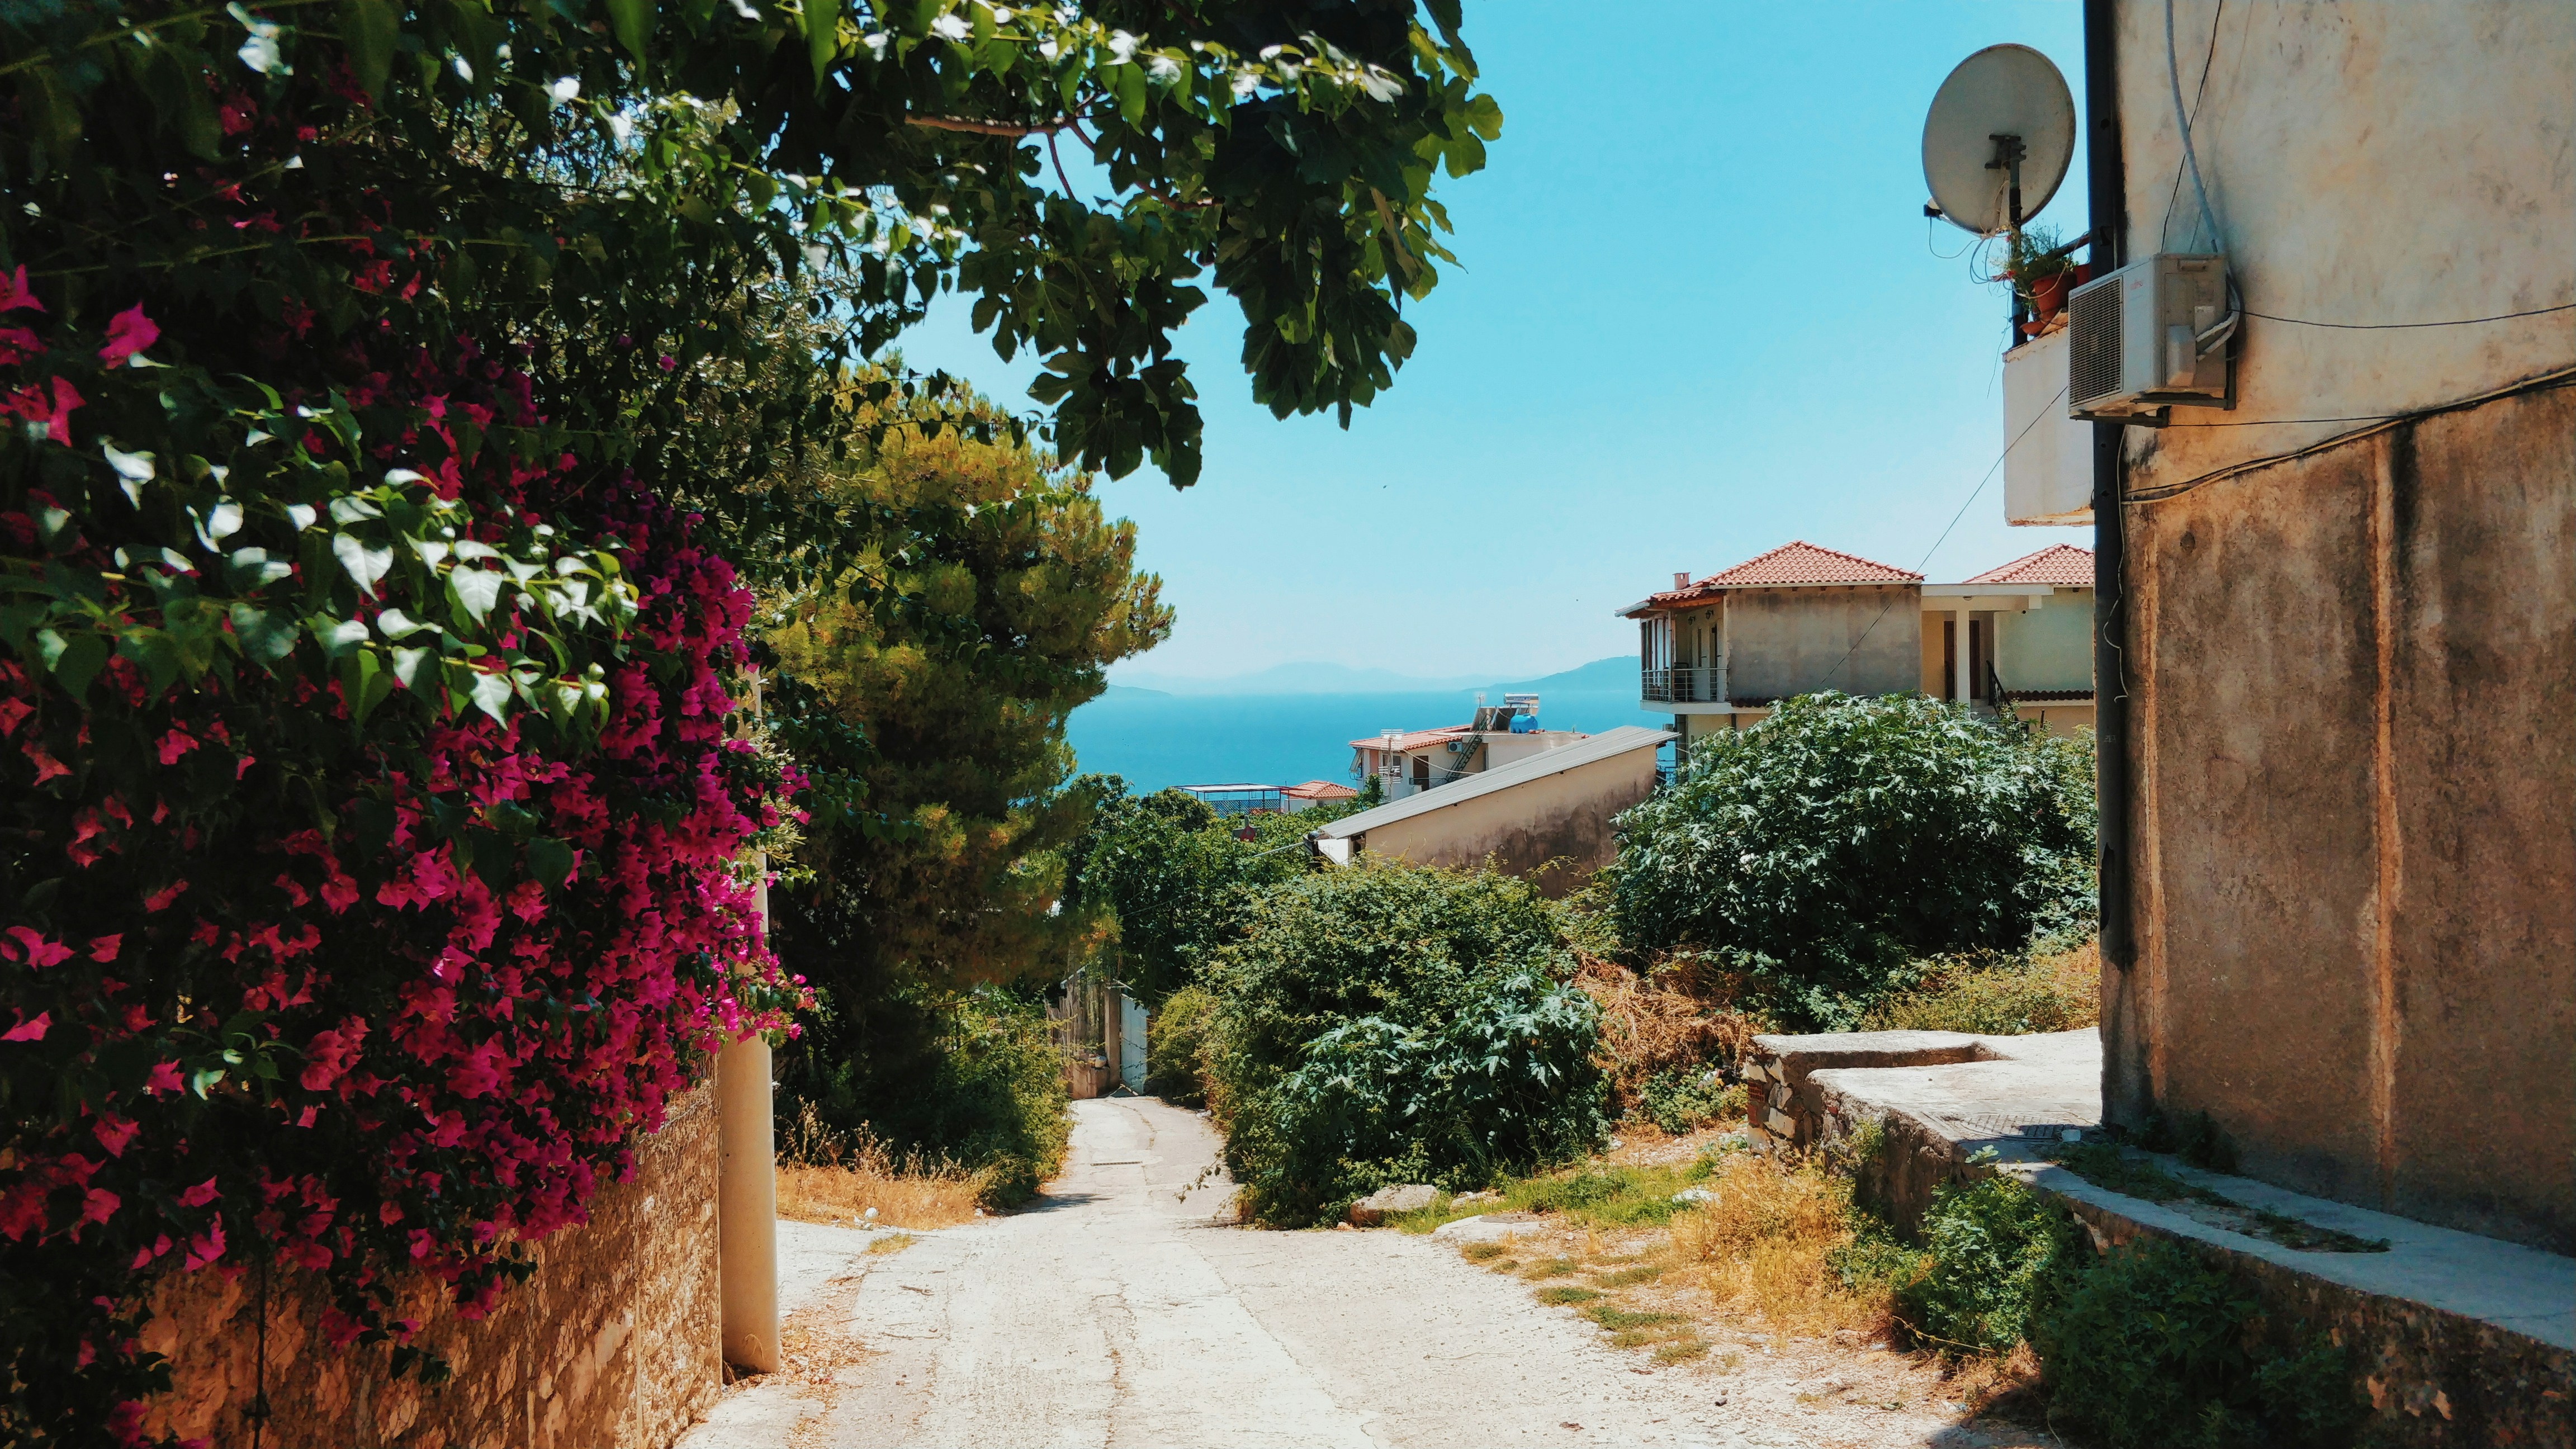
{"x":1793,"y":563}
{"x":2062,"y":565}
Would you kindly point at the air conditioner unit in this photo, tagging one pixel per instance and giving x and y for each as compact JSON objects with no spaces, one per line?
{"x":2151,"y":335}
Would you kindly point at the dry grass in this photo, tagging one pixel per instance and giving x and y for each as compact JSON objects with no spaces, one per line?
{"x":1759,"y":1246}
{"x":1656,"y":1021}
{"x":835,"y":1177}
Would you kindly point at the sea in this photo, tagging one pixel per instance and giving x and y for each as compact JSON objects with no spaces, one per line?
{"x":1157,"y":740}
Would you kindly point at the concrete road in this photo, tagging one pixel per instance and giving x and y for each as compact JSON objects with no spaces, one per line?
{"x":1117,"y":1311}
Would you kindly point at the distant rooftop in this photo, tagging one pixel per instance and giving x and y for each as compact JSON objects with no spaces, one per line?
{"x":2061,"y":564}
{"x":1788,"y":566}
{"x":1319,"y":790}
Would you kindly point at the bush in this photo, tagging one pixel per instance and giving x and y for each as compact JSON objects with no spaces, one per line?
{"x":2151,"y":1348}
{"x":1683,"y":1100}
{"x":1384,"y":1023}
{"x":1997,"y":1253}
{"x":967,"y":1078}
{"x":1177,"y":1041}
{"x":2000,"y":996}
{"x":1841,"y":839}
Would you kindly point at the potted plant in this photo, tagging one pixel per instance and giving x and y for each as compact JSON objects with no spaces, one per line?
{"x":2042,"y":275}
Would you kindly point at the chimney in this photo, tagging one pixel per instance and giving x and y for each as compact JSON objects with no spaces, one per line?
{"x":1681,"y":580}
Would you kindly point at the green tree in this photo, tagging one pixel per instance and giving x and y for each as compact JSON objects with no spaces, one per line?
{"x":936,"y":715}
{"x":1840,"y":839}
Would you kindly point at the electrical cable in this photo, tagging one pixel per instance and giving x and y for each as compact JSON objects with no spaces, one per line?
{"x":2543,"y":382}
{"x":2221,"y":334}
{"x":2164,"y":233}
{"x":1973,"y":495}
{"x":2395,"y":326}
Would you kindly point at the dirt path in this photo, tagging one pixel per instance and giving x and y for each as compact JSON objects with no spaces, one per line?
{"x":1117,"y":1311}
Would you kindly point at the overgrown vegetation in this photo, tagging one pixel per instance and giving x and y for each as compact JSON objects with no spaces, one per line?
{"x":828,"y":1176}
{"x":1999,"y":994}
{"x":1826,"y":850}
{"x":1168,"y":881}
{"x":1384,"y":1023}
{"x":1994,"y":1253}
{"x":1178,"y":1039}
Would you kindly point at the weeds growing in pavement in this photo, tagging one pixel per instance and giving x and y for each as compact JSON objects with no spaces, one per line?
{"x":825,"y":1176}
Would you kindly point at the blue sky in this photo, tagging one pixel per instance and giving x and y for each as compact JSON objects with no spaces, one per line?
{"x":1700,"y":314}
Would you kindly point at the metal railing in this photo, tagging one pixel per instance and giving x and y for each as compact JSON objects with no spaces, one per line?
{"x":1678,"y":686}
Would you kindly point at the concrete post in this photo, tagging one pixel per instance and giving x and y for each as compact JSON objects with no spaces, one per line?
{"x":747,"y":1187}
{"x":1959,"y":656}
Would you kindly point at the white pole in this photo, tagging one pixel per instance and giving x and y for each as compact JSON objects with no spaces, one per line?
{"x":747,"y":1185}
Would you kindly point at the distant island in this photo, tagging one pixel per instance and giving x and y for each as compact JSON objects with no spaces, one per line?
{"x":1316,"y":677}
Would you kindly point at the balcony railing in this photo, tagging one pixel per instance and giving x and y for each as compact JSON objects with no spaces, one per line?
{"x":1678,"y":686}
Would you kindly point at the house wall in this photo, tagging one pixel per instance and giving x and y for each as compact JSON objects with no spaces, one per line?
{"x":2050,"y":647}
{"x":2353,"y":673}
{"x":613,"y":1341}
{"x":2352,"y":720}
{"x":1560,"y":821}
{"x":1784,"y":642}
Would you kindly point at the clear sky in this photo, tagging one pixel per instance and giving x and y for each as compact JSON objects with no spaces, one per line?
{"x":1700,"y":314}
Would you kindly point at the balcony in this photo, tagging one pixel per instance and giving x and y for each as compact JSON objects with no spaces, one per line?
{"x":1678,"y":686}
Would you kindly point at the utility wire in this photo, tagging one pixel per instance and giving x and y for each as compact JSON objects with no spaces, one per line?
{"x":2174,"y":192}
{"x":1954,"y":523}
{"x":2393,"y":326}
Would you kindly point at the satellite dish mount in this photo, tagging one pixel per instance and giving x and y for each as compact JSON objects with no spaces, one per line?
{"x":2009,"y":153}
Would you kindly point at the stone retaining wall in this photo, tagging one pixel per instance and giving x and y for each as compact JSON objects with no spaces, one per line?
{"x":613,"y":1341}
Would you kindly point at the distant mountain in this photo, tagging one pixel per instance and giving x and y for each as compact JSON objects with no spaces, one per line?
{"x":1132,"y":692}
{"x":1306,"y":677}
{"x":1618,"y":672}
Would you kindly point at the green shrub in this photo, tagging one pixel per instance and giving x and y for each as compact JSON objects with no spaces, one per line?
{"x":1176,"y":1046}
{"x":1996,"y":1252}
{"x":1999,"y":995}
{"x":2152,"y":1349}
{"x":1383,"y":1023}
{"x":1828,"y":848}
{"x":1685,"y":1099}
{"x":970,"y":1078}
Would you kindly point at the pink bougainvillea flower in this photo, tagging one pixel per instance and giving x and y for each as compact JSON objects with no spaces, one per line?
{"x":114,"y":1132}
{"x":15,"y":295}
{"x":160,"y":900}
{"x":98,"y":1204}
{"x":207,"y":1246}
{"x":128,"y":333}
{"x":17,"y":344}
{"x":47,"y":767}
{"x":670,"y":363}
{"x":165,"y":1078}
{"x":176,"y":743}
{"x":104,"y":948}
{"x":200,"y":1195}
{"x":29,"y":1030}
{"x":13,"y":712}
{"x":30,"y":946}
{"x":54,"y":414}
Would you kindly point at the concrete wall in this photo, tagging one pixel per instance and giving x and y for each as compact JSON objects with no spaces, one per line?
{"x":2354,"y":686}
{"x":1557,"y":822}
{"x":2368,"y":163}
{"x":2354,"y":672}
{"x":1785,"y":642}
{"x":614,"y":1341}
{"x":2050,"y":647}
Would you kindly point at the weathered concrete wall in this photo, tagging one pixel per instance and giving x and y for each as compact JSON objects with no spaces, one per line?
{"x":2355,"y":705}
{"x":1560,"y":822}
{"x":614,"y":1341}
{"x":2368,"y":164}
{"x":1784,"y":642}
{"x":2049,"y":647}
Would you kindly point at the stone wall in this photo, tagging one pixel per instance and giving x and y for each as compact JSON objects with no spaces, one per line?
{"x":2353,"y":677}
{"x":613,"y":1341}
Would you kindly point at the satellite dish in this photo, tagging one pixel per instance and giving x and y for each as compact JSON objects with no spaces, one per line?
{"x":2002,"y":123}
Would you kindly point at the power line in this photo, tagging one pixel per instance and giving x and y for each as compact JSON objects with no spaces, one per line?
{"x":2393,"y":326}
{"x":1973,"y":495}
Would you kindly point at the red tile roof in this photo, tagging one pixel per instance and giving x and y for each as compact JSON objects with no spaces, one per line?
{"x":2060,"y":564}
{"x":1319,"y":790}
{"x":1789,"y":564}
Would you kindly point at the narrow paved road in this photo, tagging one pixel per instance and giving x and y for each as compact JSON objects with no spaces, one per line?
{"x":1116,"y":1312}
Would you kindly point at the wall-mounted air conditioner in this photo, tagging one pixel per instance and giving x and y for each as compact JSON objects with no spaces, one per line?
{"x":2151,"y":335}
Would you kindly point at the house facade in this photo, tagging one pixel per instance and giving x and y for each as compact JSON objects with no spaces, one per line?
{"x":1408,"y":762}
{"x":1721,"y":652}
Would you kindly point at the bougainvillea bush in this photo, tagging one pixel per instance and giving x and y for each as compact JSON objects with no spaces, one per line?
{"x":383,"y":388}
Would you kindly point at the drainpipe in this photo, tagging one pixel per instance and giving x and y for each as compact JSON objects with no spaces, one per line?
{"x":2106,"y":188}
{"x":747,"y":1186}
